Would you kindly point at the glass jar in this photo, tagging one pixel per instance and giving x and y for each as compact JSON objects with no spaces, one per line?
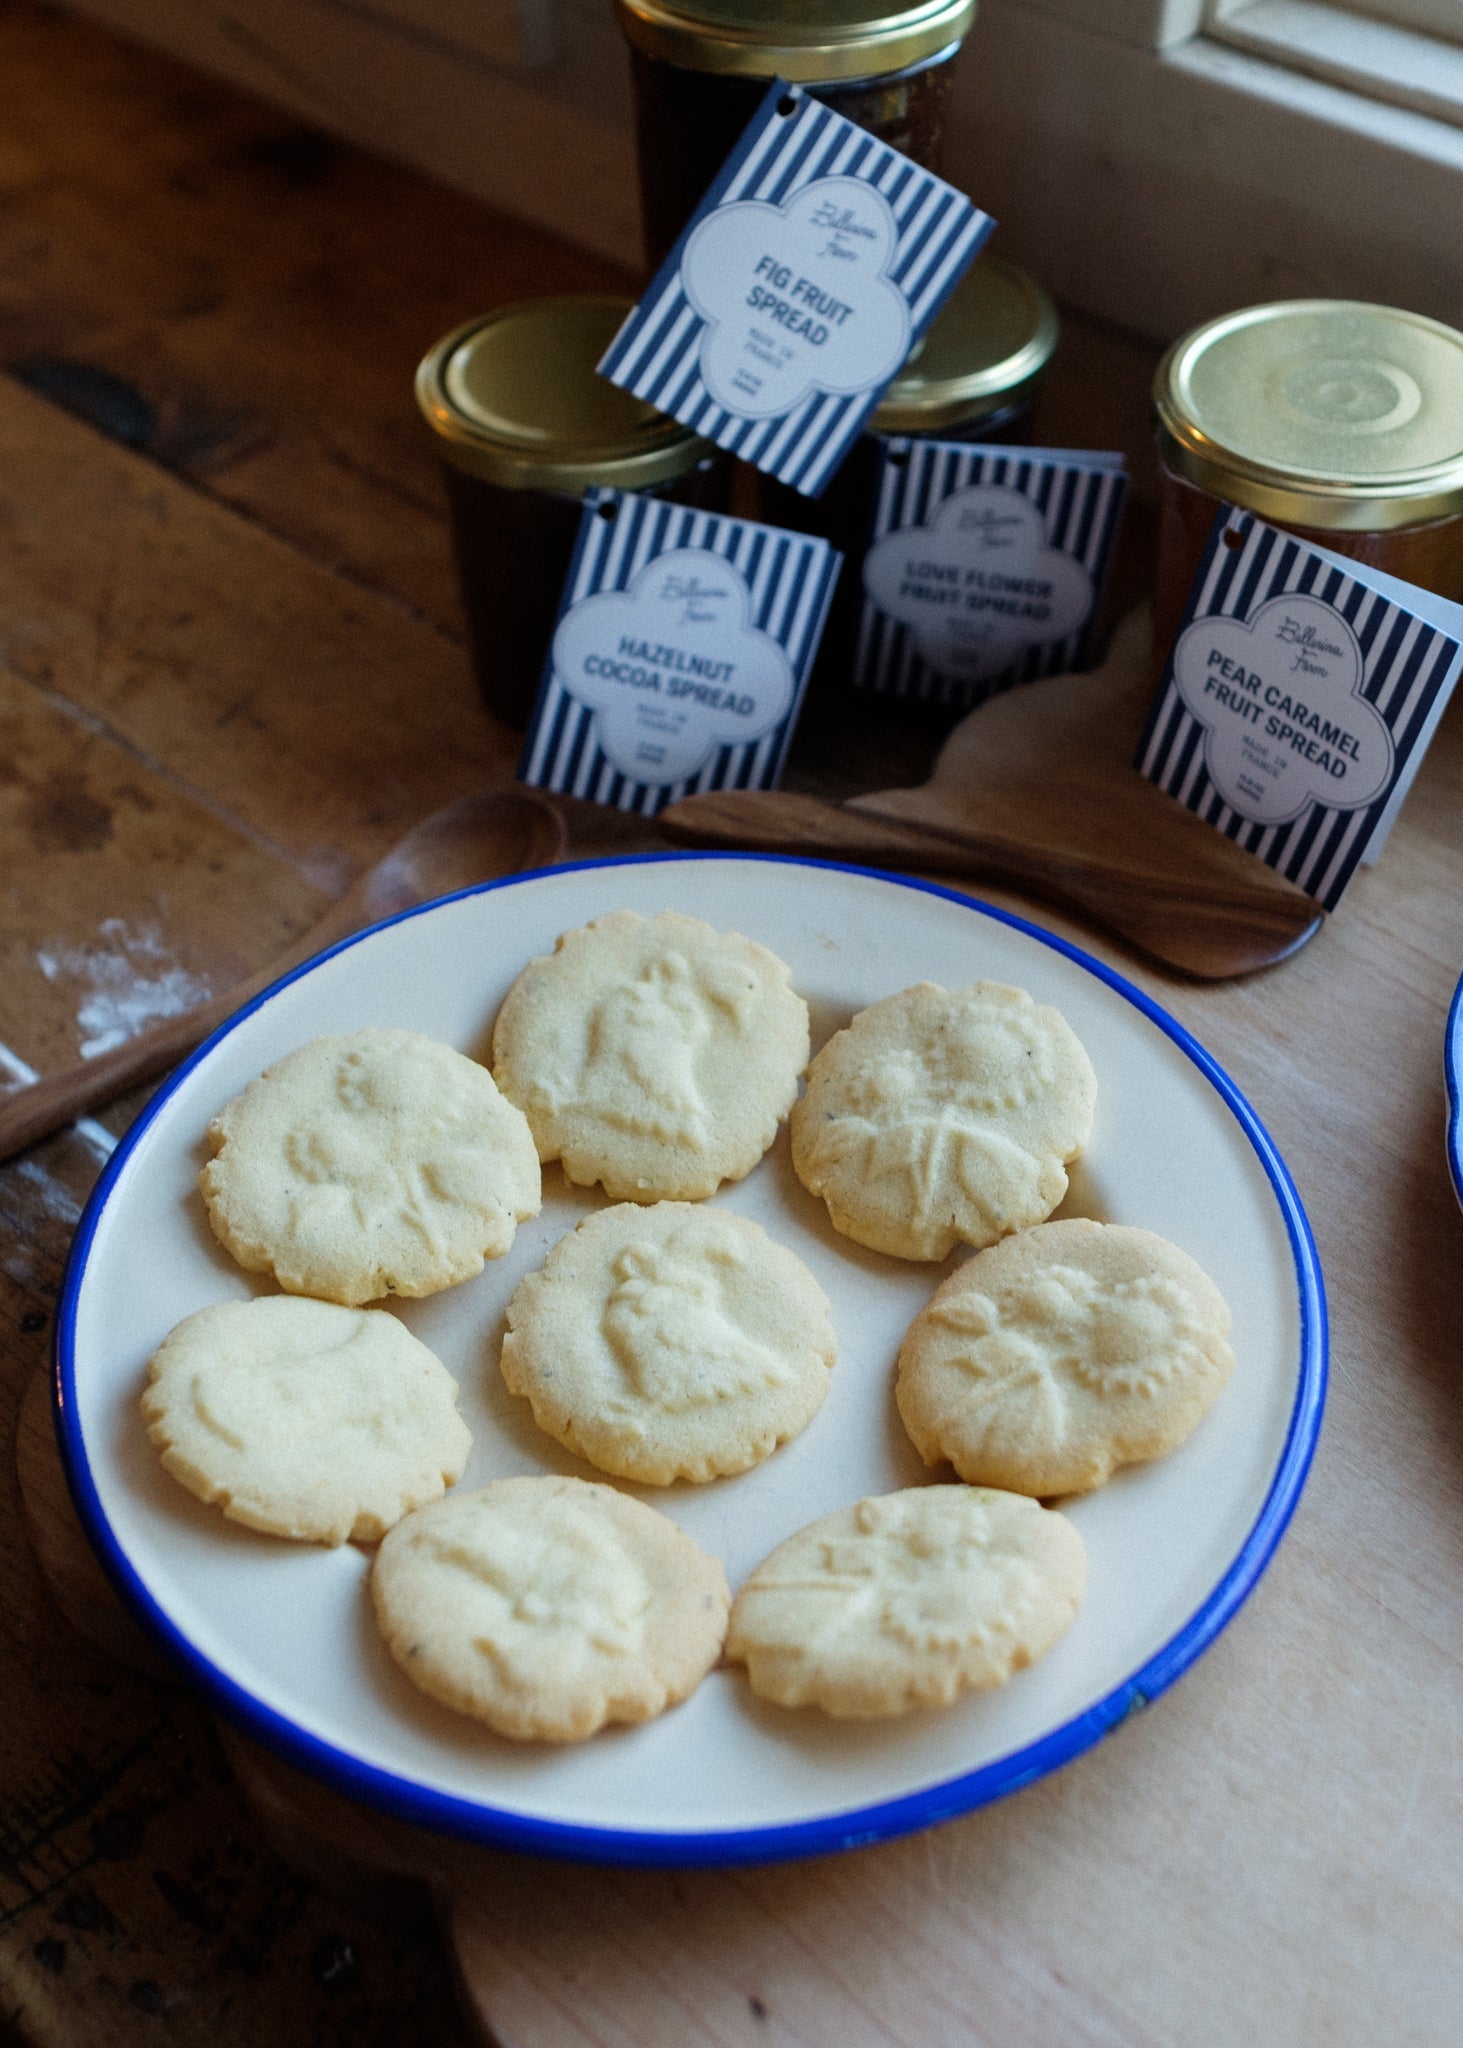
{"x":701,"y":68}
{"x":524,"y":427}
{"x":1339,"y":421}
{"x":974,"y":378}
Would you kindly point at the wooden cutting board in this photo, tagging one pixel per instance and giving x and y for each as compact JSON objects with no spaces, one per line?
{"x":1036,"y":789}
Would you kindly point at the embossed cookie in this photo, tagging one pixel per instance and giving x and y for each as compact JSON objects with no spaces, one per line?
{"x":938,"y":1118}
{"x":1059,"y":1354}
{"x":380,"y":1163}
{"x":907,"y":1600}
{"x":304,"y":1419}
{"x":671,"y":1342}
{"x":652,"y":1054}
{"x":548,"y":1607}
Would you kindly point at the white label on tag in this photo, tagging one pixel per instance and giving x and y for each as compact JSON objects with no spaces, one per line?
{"x":1279,"y":697}
{"x":673,"y":666}
{"x":796,"y":298}
{"x":979,"y":584}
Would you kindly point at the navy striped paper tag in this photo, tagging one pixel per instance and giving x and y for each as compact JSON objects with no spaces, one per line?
{"x":680,"y":656}
{"x":984,"y":568}
{"x":1298,"y":700}
{"x":796,"y":291}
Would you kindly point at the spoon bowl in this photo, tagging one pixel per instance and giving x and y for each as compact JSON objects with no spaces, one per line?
{"x":499,"y":833}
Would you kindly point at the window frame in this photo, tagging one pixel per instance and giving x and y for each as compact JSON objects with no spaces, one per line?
{"x":1156,"y":175}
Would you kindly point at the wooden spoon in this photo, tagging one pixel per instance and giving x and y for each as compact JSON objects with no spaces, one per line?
{"x":472,"y":841}
{"x":1037,"y":789}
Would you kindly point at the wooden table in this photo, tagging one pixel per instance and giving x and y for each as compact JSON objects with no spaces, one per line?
{"x":231,"y":672}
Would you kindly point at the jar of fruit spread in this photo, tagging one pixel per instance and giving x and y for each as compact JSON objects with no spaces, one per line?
{"x":975,"y":378}
{"x":524,"y":427}
{"x":1340,"y":421}
{"x":701,"y":67}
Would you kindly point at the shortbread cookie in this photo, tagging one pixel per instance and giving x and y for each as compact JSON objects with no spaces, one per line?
{"x":381,"y":1163}
{"x":671,"y":1342}
{"x":547,"y":1607}
{"x":652,"y":1054}
{"x":304,"y":1419}
{"x":1059,"y":1354}
{"x":907,"y":1600}
{"x":939,"y":1118}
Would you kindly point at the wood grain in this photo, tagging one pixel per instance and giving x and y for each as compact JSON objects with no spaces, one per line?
{"x":137,"y":1893}
{"x":478,"y":839}
{"x":1271,"y":1854}
{"x":243,"y":297}
{"x":279,"y":693}
{"x":202,"y":269}
{"x":122,"y":898}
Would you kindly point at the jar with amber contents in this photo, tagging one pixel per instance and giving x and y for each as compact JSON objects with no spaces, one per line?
{"x":524,"y":427}
{"x":974,"y":378}
{"x":701,"y":67}
{"x":1340,"y":421}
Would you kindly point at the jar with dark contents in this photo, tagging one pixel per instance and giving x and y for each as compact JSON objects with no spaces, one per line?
{"x":524,"y":427}
{"x":975,"y":378}
{"x":702,"y":67}
{"x":1339,"y":421}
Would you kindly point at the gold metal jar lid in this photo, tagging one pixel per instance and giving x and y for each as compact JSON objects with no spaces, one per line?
{"x":813,"y":42}
{"x":513,"y":398}
{"x":987,"y":350}
{"x":1326,"y":413}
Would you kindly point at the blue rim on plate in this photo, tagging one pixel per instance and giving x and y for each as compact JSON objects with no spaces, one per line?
{"x":858,"y":1828}
{"x":1453,"y":1075}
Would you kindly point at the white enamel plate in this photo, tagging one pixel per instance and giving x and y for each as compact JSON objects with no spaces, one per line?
{"x":280,"y":1634}
{"x":1453,"y":1077}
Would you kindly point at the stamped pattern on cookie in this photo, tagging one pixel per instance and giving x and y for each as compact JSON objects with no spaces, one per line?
{"x":378,"y":1163}
{"x":647,"y":1033}
{"x":906,"y":1600}
{"x":671,"y":1342}
{"x":668,"y":1322}
{"x":654,"y":1055}
{"x":547,"y":1607}
{"x":939,"y":1117}
{"x":303,"y":1419}
{"x":559,"y":1576}
{"x":1060,"y":1354}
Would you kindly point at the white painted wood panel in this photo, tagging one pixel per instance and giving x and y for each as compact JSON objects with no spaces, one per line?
{"x":1160,"y":188}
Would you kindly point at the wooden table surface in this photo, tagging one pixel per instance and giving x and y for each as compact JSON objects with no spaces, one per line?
{"x":231,"y":672}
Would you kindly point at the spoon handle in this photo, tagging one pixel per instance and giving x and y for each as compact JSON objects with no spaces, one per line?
{"x":36,"y":1110}
{"x":1207,"y":926}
